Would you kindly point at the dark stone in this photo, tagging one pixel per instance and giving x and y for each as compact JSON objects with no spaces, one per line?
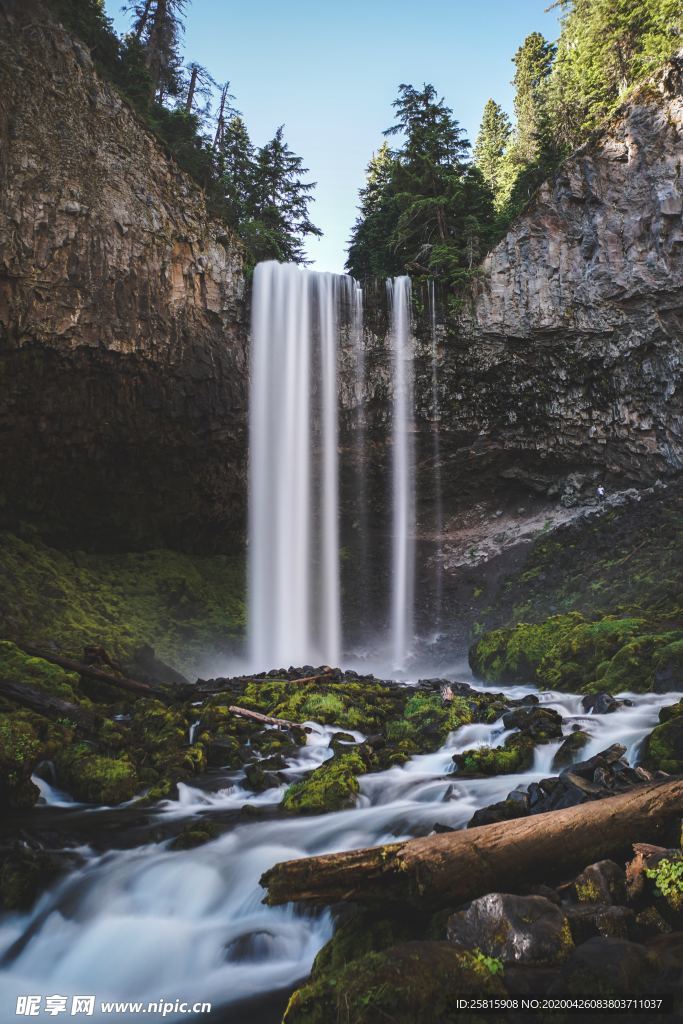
{"x":258,"y":780}
{"x":576,"y":741}
{"x":505,"y":810}
{"x":649,"y":923}
{"x":539,"y":723}
{"x":523,"y":928}
{"x":605,"y":966}
{"x":221,"y":752}
{"x":602,"y":882}
{"x":600,"y":703}
{"x":589,"y":920}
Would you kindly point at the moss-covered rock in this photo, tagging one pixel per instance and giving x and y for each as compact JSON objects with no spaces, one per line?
{"x":516,"y":755}
{"x":410,"y":983}
{"x":569,"y":653}
{"x":331,"y":787}
{"x":194,"y":835}
{"x":24,"y":873}
{"x":94,"y":778}
{"x":25,"y":739}
{"x":663,"y":748}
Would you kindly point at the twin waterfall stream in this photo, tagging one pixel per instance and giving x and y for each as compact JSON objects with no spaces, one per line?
{"x":136,"y":920}
{"x":295,"y":613}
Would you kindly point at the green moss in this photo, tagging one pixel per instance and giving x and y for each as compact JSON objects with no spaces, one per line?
{"x":36,"y":672}
{"x":331,"y":787}
{"x":24,"y":873}
{"x":663,"y":748}
{"x":410,"y":983}
{"x":567,"y":652}
{"x":516,"y":755}
{"x":194,"y":835}
{"x":26,"y":739}
{"x":95,"y":778}
{"x":184,"y":606}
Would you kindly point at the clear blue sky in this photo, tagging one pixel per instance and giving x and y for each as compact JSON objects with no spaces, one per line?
{"x":329,"y":71}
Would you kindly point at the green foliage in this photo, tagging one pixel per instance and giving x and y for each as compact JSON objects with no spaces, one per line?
{"x":94,"y":778}
{"x":184,"y":606}
{"x":425,"y":210}
{"x":516,"y":755}
{"x":668,"y":879}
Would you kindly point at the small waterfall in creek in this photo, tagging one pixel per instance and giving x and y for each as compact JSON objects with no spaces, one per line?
{"x":403,"y":473}
{"x":294,"y":593}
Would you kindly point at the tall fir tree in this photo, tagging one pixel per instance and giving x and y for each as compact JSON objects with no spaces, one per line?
{"x":278,"y":221}
{"x":235,"y":156}
{"x":157,"y":27}
{"x":489,"y":150}
{"x":369,"y":253}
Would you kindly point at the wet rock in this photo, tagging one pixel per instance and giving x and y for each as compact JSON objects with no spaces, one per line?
{"x":542,"y":724}
{"x":25,"y":870}
{"x":194,"y":835}
{"x":662,"y":750}
{"x":524,"y":928}
{"x":590,"y":920}
{"x":222,"y":752}
{"x":605,"y":966}
{"x":569,"y":748}
{"x":649,"y":923}
{"x":602,"y":882}
{"x":505,"y":810}
{"x":259,"y":780}
{"x":600,"y":703}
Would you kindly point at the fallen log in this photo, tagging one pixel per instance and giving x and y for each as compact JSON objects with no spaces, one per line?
{"x":83,"y":669}
{"x":208,"y":686}
{"x":281,"y":723}
{"x":452,"y":868}
{"x":46,"y":704}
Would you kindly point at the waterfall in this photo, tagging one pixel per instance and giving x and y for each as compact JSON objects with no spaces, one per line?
{"x":436,"y":452}
{"x":360,"y":451}
{"x":403,"y":472}
{"x":294,"y":593}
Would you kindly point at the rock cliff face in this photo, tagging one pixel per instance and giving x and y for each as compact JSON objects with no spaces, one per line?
{"x":122,"y":340}
{"x":567,"y":360}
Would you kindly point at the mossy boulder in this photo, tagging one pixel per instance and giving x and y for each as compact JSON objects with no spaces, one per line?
{"x":331,"y":787}
{"x":516,"y":755}
{"x":663,"y":748}
{"x":24,"y":873}
{"x":194,"y":835}
{"x":94,"y":778}
{"x":410,"y":983}
{"x":514,"y":655}
{"x":26,"y":739}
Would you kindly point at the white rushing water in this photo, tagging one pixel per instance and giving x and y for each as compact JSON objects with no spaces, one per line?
{"x":152,"y":923}
{"x":294,"y":595}
{"x":403,"y":473}
{"x":436,"y":454}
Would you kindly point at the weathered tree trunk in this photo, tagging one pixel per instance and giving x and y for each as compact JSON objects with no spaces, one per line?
{"x":452,"y":868}
{"x":83,"y":669}
{"x":281,"y":723}
{"x":46,"y":704}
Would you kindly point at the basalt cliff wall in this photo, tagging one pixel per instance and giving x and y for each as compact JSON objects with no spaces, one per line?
{"x":567,"y":360}
{"x":122,"y":334}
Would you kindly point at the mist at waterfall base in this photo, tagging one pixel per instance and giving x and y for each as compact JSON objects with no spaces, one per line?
{"x":304,"y":324}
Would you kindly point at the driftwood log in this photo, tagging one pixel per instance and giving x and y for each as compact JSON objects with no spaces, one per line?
{"x":46,"y":704}
{"x":83,"y":669}
{"x":256,"y":716}
{"x":455,"y":867}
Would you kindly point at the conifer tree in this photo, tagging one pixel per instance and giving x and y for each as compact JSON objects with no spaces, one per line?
{"x":369,"y":253}
{"x":278,"y":205}
{"x":157,"y":25}
{"x":494,"y":136}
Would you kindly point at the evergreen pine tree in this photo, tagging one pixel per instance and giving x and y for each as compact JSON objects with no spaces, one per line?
{"x":489,"y":149}
{"x":369,"y":253}
{"x":278,"y":205}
